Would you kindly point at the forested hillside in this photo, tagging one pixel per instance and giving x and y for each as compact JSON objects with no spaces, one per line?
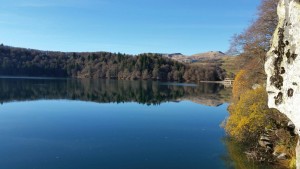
{"x":29,"y":62}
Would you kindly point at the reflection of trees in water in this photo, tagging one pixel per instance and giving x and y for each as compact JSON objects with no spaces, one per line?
{"x":104,"y":91}
{"x":236,"y":158}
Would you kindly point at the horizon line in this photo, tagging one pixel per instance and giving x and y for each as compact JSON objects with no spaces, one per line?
{"x":44,"y":50}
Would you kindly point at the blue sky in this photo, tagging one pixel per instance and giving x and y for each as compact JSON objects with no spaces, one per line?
{"x":127,"y":26}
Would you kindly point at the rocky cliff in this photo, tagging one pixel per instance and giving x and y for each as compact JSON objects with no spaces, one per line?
{"x":283,"y":64}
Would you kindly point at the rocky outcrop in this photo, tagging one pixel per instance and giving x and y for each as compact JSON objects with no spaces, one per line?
{"x":283,"y":64}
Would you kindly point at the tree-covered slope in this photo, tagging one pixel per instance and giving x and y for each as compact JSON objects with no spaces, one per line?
{"x":29,"y":62}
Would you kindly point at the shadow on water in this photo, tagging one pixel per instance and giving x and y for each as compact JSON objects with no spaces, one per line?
{"x":106,"y":91}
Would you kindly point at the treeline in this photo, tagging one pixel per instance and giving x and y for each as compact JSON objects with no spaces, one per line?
{"x":105,"y":65}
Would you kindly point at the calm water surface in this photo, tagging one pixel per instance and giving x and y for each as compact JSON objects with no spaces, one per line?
{"x":97,"y":124}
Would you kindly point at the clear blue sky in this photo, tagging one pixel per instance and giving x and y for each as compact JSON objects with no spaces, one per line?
{"x":127,"y":26}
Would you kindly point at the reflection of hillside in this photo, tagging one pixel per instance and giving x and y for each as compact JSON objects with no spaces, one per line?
{"x":211,"y":99}
{"x":105,"y":91}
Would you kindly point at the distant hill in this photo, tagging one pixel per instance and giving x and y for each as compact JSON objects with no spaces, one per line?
{"x":207,"y":56}
{"x":206,"y":59}
{"x":173,"y":55}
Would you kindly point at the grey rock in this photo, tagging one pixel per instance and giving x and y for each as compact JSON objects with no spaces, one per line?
{"x":291,"y":125}
{"x":265,"y":143}
{"x":282,"y":156}
{"x":264,"y":138}
{"x":255,"y":86}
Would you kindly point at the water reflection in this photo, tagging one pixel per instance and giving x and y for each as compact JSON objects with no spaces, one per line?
{"x":67,"y":134}
{"x":105,"y":91}
{"x":236,"y":157}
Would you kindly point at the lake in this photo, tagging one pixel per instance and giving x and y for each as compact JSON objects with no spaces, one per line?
{"x":109,"y":124}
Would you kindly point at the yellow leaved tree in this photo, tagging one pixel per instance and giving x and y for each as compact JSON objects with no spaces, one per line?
{"x":249,"y":115}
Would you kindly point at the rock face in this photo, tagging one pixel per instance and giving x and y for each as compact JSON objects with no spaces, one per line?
{"x":283,"y":64}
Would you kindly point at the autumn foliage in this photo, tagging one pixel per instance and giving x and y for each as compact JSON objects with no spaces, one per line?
{"x":249,"y":116}
{"x":240,"y":85}
{"x":249,"y":111}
